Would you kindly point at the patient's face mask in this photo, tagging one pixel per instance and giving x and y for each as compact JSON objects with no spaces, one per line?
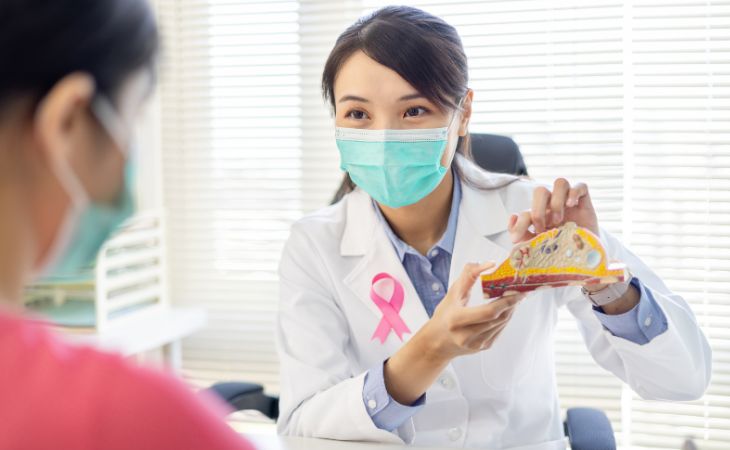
{"x":395,"y":167}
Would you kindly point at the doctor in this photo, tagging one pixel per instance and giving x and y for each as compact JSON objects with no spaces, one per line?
{"x":372,"y":344}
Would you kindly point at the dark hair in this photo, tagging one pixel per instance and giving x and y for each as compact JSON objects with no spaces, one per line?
{"x":41,"y":41}
{"x":420,"y":47}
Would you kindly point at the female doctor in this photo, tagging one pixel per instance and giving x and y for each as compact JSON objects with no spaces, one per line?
{"x":372,"y":344}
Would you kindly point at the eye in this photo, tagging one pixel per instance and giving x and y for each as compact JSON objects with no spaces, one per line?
{"x":356,"y":114}
{"x":416,"y":111}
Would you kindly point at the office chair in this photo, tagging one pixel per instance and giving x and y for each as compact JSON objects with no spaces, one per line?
{"x":585,"y":428}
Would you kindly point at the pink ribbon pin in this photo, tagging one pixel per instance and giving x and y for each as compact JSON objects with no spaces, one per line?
{"x":390,"y":309}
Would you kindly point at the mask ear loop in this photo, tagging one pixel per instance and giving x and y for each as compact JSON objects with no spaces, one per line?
{"x":448,"y":127}
{"x":119,"y":132}
{"x":456,"y":111}
{"x":112,"y":118}
{"x":112,"y":123}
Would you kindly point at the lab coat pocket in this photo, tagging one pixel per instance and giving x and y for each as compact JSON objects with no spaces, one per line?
{"x":510,"y":359}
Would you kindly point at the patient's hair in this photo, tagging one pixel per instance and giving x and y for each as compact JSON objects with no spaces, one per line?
{"x":42,"y":41}
{"x":422,"y":48}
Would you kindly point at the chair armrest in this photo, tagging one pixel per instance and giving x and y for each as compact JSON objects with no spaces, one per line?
{"x":589,"y":429}
{"x":247,"y":396}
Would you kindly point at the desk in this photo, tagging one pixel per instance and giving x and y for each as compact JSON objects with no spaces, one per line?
{"x":274,"y":442}
{"x":163,"y":329}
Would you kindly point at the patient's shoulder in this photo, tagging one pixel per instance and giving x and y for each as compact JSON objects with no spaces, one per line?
{"x":85,"y":398}
{"x":152,"y":409}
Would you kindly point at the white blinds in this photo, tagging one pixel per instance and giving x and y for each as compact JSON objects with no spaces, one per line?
{"x":231,"y":133}
{"x":247,"y":149}
{"x":680,"y":196}
{"x":632,"y":97}
{"x":320,"y":24}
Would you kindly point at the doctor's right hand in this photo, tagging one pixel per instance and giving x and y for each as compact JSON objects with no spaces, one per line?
{"x":455,"y":329}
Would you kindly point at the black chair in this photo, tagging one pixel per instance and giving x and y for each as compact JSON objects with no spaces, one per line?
{"x":497,"y":153}
{"x":585,"y":428}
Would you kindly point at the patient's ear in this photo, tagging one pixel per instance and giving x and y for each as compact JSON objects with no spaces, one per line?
{"x":466,"y":110}
{"x":61,"y":117}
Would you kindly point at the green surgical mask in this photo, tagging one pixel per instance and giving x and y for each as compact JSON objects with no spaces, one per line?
{"x":395,"y":167}
{"x":88,"y":224}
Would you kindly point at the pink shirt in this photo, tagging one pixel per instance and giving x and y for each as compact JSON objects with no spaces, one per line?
{"x":57,"y":396}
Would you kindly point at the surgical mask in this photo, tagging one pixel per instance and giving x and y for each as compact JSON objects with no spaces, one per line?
{"x":395,"y":167}
{"x":88,"y":224}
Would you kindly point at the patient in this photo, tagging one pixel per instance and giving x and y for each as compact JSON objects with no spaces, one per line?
{"x":73,"y":76}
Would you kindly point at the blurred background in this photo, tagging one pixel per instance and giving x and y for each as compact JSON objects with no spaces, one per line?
{"x":630,"y":96}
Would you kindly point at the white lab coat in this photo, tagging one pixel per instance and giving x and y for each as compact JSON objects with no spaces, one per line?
{"x":504,"y":397}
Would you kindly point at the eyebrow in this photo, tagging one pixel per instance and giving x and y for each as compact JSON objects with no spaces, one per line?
{"x":411,"y":97}
{"x":355,"y":98}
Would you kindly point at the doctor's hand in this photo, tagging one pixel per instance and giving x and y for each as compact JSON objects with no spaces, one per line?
{"x":454,"y":330}
{"x":550,"y":209}
{"x":458,"y":329}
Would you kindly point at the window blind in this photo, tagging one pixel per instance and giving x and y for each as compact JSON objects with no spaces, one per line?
{"x":630,"y":96}
{"x":247,"y":148}
{"x":231,"y":144}
{"x":679,"y":195}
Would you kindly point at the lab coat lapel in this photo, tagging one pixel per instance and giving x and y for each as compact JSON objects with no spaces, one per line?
{"x":482,"y":219}
{"x":364,"y":236}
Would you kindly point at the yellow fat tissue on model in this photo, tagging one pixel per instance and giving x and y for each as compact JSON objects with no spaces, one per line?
{"x":564,"y":256}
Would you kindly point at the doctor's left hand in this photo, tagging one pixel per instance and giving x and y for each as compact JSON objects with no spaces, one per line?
{"x":462,"y":330}
{"x":552,"y":208}
{"x":455,"y":329}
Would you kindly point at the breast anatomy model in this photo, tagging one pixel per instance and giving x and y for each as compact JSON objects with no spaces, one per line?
{"x":565,"y":256}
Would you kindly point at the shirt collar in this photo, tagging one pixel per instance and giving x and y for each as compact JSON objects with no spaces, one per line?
{"x":446,"y":243}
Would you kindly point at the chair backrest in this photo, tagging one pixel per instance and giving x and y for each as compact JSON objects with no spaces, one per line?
{"x":497,"y":153}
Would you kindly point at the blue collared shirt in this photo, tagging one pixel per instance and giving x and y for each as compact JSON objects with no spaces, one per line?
{"x":430,"y":276}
